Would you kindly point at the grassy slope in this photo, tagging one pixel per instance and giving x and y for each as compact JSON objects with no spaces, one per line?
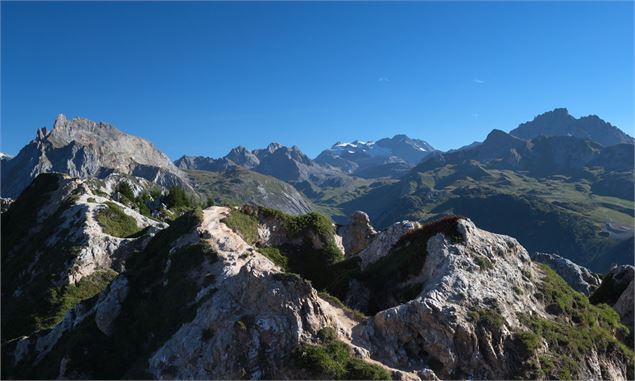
{"x":538,"y":212}
{"x":242,"y":186}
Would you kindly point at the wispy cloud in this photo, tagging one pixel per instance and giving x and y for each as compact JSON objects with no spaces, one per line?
{"x":479,"y":81}
{"x":383,"y":79}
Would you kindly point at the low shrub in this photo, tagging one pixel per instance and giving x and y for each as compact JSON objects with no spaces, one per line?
{"x":115,"y":222}
{"x":276,"y":256}
{"x":333,"y":359}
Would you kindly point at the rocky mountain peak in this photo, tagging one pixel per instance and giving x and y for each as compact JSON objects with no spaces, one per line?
{"x":84,"y":148}
{"x":60,"y":120}
{"x":273,"y":147}
{"x":559,"y":122}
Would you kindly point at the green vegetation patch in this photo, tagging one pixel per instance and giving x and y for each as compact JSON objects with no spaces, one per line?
{"x":311,"y":250}
{"x":178,"y":198}
{"x":243,"y":224}
{"x":64,"y":298}
{"x":483,"y":262}
{"x":529,"y":341}
{"x":333,"y":359}
{"x":576,"y":328}
{"x":276,"y":256}
{"x":489,"y":317}
{"x":115,"y":222}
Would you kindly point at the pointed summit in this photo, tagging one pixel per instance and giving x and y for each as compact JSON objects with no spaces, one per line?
{"x":60,"y":121}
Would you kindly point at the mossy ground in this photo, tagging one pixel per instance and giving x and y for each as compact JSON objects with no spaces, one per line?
{"x":333,"y":359}
{"x":243,"y":224}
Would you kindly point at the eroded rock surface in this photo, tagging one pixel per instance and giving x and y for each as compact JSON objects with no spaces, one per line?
{"x":357,"y":234}
{"x":578,"y":277}
{"x":83,"y":148}
{"x":383,"y":241}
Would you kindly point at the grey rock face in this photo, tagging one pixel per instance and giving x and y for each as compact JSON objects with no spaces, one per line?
{"x":357,"y":234}
{"x":625,"y":305}
{"x":578,"y":277}
{"x":83,"y":148}
{"x":617,"y":290}
{"x":109,"y":305}
{"x":381,"y":244}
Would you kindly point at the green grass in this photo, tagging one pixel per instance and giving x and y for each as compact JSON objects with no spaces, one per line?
{"x":576,"y":327}
{"x":276,"y":256}
{"x":243,"y":224}
{"x":489,"y":318}
{"x":333,"y":359}
{"x":115,"y":222}
{"x":321,"y":261}
{"x":69,"y":296}
{"x":483,"y":263}
{"x":529,"y":341}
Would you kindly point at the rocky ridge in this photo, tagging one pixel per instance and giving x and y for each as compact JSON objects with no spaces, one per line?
{"x":53,"y":242}
{"x":477,"y":307}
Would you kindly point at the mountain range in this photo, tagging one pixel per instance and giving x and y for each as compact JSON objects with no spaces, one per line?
{"x":465,"y":264}
{"x":577,"y":173}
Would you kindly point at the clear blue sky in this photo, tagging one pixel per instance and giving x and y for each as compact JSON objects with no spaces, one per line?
{"x":200,"y":78}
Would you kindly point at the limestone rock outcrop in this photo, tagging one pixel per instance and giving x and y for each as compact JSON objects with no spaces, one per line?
{"x":578,"y":277}
{"x":357,"y":234}
{"x":383,"y":241}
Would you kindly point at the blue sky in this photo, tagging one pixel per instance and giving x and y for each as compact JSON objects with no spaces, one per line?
{"x":199,"y":78}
